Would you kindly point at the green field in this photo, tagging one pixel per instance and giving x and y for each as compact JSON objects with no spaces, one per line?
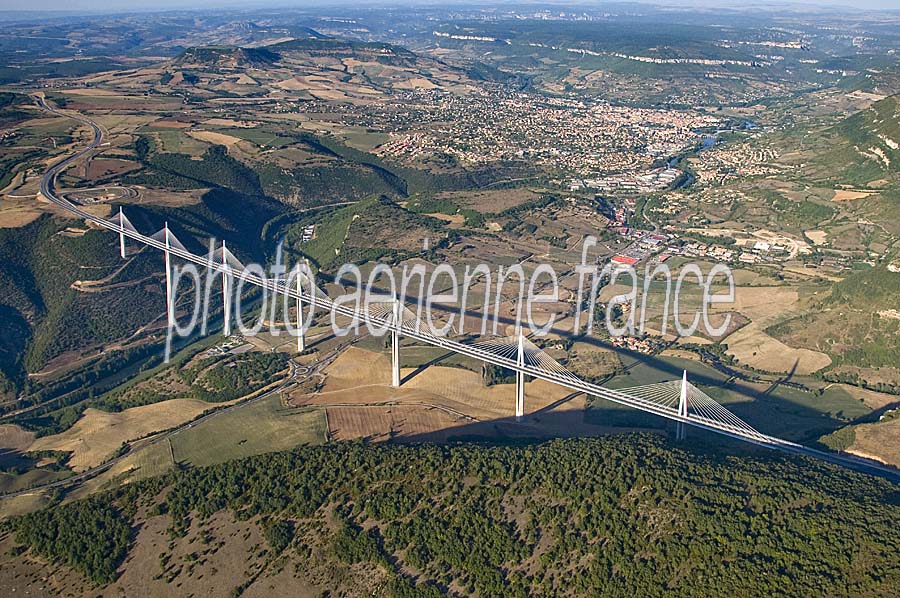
{"x":176,"y":141}
{"x":257,"y":428}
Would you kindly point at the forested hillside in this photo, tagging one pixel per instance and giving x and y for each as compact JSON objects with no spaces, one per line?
{"x":619,"y":516}
{"x":39,"y":264}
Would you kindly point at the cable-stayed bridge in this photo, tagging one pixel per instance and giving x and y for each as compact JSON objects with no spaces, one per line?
{"x":679,"y":400}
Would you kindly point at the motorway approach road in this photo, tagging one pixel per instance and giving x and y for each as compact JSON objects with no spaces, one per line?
{"x":563,"y":378}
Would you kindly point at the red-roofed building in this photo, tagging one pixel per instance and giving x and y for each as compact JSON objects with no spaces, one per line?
{"x":624,"y":259}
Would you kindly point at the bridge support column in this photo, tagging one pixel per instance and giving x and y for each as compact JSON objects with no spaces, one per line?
{"x":520,"y":380}
{"x":301,"y":343}
{"x":681,"y":427}
{"x":170,"y":300}
{"x":226,"y":293}
{"x":121,"y":233}
{"x":395,"y":346}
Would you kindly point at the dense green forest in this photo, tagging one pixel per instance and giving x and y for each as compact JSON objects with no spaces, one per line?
{"x":216,"y":168}
{"x":628,"y":515}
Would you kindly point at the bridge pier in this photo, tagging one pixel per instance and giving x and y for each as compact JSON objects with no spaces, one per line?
{"x":170,"y":302}
{"x":301,"y":343}
{"x":520,"y":380}
{"x":121,"y":233}
{"x":226,"y":293}
{"x":395,"y":346}
{"x":681,"y":427}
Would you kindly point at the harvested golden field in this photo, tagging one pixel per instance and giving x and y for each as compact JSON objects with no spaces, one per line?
{"x":389,"y":422}
{"x":807,"y":272}
{"x":291,"y":84}
{"x":167,"y":123}
{"x":19,"y":505}
{"x":14,"y":215}
{"x":845,"y":195}
{"x":15,"y":438}
{"x":751,"y":345}
{"x":101,"y":210}
{"x":881,"y":440}
{"x":357,"y":366}
{"x":489,"y":201}
{"x":245,"y":79}
{"x":416,"y":83}
{"x":437,"y":402}
{"x":105,"y":167}
{"x":214,"y":138}
{"x":123,"y":123}
{"x":98,"y":434}
{"x":818,"y":237}
{"x":231,"y":123}
{"x":172,"y":199}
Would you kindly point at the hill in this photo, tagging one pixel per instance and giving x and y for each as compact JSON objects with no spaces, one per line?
{"x":858,"y":326}
{"x":75,"y":312}
{"x":47,"y":317}
{"x":381,"y":52}
{"x":875,"y":133}
{"x":625,"y":515}
{"x":304,"y":68}
{"x":226,"y":57}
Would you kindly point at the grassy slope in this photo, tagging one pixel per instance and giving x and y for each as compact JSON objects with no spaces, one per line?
{"x":376,"y":228}
{"x":847,"y":324}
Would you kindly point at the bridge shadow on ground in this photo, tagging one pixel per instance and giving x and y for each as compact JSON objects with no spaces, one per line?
{"x":542,"y":426}
{"x":775,"y":409}
{"x":422,"y":367}
{"x":771,"y":410}
{"x":699,"y":444}
{"x":674,"y":372}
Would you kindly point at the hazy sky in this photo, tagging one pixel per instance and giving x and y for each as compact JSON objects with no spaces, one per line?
{"x":119,"y":5}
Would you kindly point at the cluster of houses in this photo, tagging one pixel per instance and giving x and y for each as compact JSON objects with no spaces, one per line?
{"x":632,"y":343}
{"x":655,"y":180}
{"x":308,"y":233}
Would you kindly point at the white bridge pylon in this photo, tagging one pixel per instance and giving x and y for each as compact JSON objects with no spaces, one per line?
{"x":524,"y":354}
{"x":677,"y":400}
{"x":224,"y":260}
{"x":395,"y":312}
{"x":690,"y":403}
